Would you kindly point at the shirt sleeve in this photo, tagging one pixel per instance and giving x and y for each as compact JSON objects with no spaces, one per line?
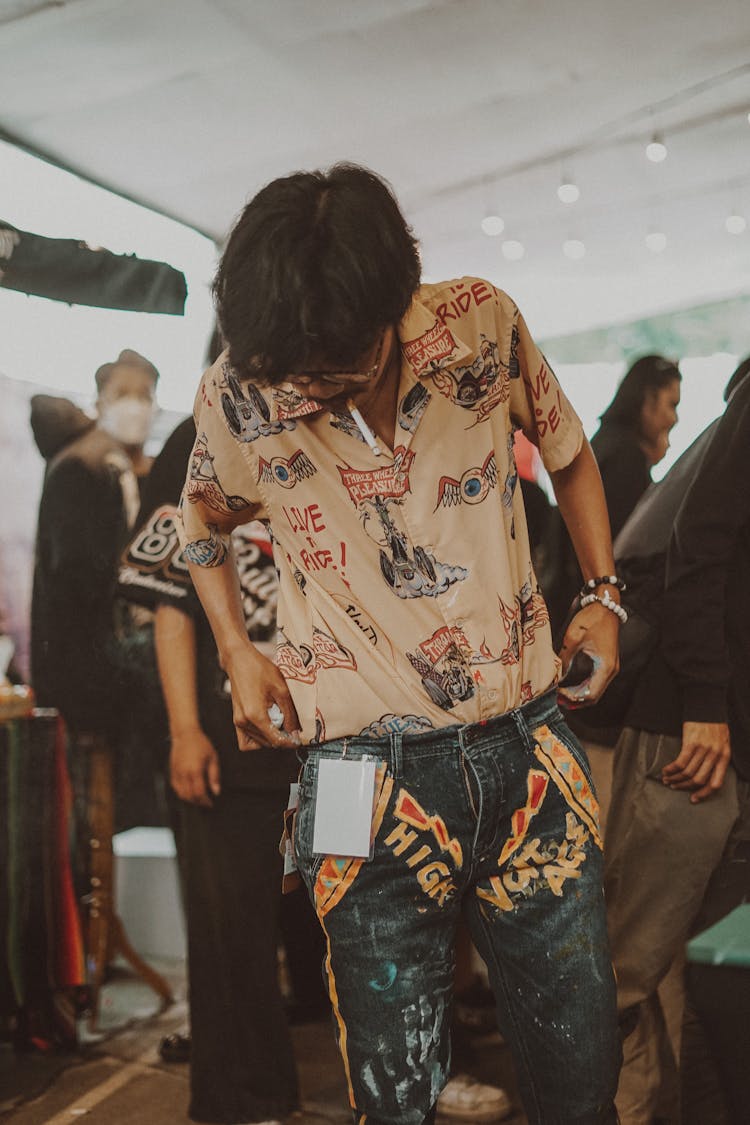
{"x":220,"y":491}
{"x":702,"y":555}
{"x":538,"y":404}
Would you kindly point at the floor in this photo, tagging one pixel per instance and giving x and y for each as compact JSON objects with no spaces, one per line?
{"x":118,"y":1078}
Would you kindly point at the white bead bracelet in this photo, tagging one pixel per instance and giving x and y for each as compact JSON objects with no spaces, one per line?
{"x":608,"y":602}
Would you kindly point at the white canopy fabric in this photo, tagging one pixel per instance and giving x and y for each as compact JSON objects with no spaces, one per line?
{"x":467,"y":107}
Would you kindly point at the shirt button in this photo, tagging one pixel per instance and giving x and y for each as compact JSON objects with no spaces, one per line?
{"x":492,"y":695}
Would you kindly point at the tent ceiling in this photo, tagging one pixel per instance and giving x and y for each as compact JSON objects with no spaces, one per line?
{"x":466,"y":106}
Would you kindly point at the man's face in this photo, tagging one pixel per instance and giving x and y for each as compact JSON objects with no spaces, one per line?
{"x":126,"y":404}
{"x":324,"y":383}
{"x":127,"y":382}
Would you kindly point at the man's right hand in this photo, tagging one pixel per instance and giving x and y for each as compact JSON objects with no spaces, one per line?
{"x":256,"y":684}
{"x":194,"y":767}
{"x":702,"y":762}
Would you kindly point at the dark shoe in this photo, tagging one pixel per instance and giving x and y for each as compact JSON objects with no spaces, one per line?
{"x":175,"y":1048}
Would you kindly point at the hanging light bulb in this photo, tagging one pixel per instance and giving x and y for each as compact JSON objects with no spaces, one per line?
{"x":656,"y":150}
{"x":656,"y":241}
{"x":574,"y":249}
{"x":492,"y":225}
{"x":568,"y":191}
{"x":513,"y":250}
{"x":735,"y":224}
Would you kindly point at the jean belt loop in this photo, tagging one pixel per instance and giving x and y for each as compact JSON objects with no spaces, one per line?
{"x":396,"y":755}
{"x":522,"y":726}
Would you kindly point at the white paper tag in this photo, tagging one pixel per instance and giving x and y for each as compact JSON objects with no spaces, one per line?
{"x":343,"y":807}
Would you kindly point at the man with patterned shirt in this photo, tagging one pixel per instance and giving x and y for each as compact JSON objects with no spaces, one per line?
{"x":369,"y":420}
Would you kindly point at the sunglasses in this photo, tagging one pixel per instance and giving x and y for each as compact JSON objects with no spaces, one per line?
{"x":342,"y":377}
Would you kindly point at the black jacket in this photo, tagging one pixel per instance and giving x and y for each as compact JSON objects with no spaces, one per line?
{"x":701,"y":669}
{"x":624,"y":469}
{"x":81,"y":530}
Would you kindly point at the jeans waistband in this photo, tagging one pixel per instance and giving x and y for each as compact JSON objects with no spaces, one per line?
{"x":394,"y":746}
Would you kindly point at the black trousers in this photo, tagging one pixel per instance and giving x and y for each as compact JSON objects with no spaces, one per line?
{"x":242,"y":1066}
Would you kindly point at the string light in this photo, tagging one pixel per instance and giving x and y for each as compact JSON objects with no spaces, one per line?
{"x":735,"y":224}
{"x":568,"y":192}
{"x":492,"y":225}
{"x":656,"y":241}
{"x":656,"y":150}
{"x":513,"y":250}
{"x":574,"y":249}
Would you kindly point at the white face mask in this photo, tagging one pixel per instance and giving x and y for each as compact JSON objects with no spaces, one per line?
{"x":127,"y":419}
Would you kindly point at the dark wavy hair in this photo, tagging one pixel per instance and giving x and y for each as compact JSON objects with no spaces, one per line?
{"x":317,"y":264}
{"x":649,"y":373}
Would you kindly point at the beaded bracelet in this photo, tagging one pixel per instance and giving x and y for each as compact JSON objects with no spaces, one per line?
{"x":604,"y":580}
{"x":608,"y":603}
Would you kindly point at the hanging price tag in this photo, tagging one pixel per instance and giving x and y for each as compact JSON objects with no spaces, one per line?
{"x":343,"y":807}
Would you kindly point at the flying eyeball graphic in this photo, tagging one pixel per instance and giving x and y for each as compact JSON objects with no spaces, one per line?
{"x":286,"y":471}
{"x":473,"y":486}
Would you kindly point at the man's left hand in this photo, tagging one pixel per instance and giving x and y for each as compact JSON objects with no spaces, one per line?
{"x":702,"y":762}
{"x":595,"y":631}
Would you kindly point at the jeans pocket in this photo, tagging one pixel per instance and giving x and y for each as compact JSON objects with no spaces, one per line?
{"x":308,"y":865}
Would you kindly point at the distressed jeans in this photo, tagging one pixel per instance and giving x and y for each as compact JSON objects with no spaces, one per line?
{"x":498,"y":820}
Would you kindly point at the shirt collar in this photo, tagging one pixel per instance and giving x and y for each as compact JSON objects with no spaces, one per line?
{"x":427,"y":344}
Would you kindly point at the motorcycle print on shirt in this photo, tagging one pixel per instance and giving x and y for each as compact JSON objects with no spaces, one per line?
{"x":411,"y":571}
{"x":247,"y":413}
{"x":442,"y":662}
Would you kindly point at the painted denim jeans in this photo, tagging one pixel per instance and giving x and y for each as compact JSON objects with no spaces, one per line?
{"x":498,"y":820}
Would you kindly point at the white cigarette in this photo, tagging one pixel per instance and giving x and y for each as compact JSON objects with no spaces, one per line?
{"x":364,"y":429}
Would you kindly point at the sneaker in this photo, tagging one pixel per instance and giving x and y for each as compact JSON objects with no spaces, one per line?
{"x":175,"y":1048}
{"x":466,"y":1099}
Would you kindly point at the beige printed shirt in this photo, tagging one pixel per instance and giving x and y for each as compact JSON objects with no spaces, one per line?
{"x":407,"y":596}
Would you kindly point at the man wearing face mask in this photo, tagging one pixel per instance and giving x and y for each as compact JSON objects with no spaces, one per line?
{"x":89,"y":657}
{"x":88,"y":505}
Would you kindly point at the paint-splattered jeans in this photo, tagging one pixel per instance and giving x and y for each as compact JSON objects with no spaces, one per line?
{"x":497,"y":819}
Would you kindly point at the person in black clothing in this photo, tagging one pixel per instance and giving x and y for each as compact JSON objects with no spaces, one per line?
{"x":633,"y":434}
{"x":90,"y":657}
{"x":677,"y":847}
{"x":228,"y":826}
{"x":88,"y":503}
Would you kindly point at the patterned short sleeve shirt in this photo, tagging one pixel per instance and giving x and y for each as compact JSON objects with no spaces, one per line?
{"x":407,"y":596}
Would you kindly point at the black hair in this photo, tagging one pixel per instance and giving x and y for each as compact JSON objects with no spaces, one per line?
{"x":649,"y":373}
{"x":126,"y":358}
{"x":317,"y":264}
{"x":740,"y":372}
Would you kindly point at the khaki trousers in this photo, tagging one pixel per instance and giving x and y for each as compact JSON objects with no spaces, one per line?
{"x":660,"y":853}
